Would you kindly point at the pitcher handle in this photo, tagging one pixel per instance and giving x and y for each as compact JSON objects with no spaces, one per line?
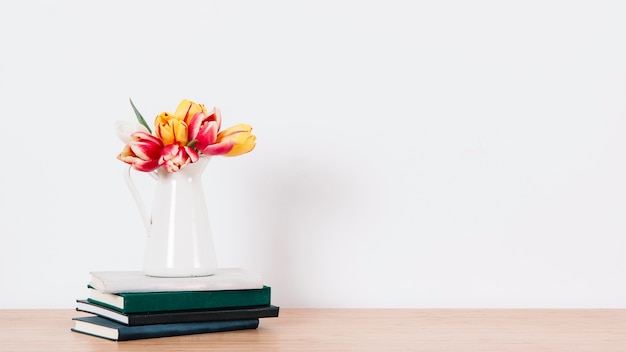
{"x":147,"y":221}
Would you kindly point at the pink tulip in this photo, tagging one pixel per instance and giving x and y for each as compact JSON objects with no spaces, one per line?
{"x":204,"y":129}
{"x":143,"y":152}
{"x":174,"y":157}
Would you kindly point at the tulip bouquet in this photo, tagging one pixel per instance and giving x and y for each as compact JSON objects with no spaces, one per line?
{"x":181,"y":138}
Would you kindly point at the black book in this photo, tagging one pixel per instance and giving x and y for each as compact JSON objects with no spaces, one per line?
{"x":178,"y":316}
{"x":109,"y":329}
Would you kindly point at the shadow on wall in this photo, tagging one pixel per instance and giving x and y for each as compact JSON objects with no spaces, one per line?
{"x":307,"y":208}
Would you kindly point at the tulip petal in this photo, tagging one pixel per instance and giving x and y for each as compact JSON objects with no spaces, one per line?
{"x":183,"y":109}
{"x":242,"y":135}
{"x":171,"y":130}
{"x":194,"y":125}
{"x":125,"y":129}
{"x":187,"y":109}
{"x":242,"y":127}
{"x":145,"y":136}
{"x":207,"y":135}
{"x":129,"y":157}
{"x":175,"y":158}
{"x":180,"y":132}
{"x":193,"y":154}
{"x":216,"y":115}
{"x":199,"y":121}
{"x":220,"y":148}
{"x":146,"y":165}
{"x":243,"y":146}
{"x":145,"y":146}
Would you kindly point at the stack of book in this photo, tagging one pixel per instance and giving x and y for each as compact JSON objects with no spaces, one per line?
{"x":129,"y":305}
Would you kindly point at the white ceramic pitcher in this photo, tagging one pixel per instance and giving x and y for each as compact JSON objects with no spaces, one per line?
{"x":180,"y":242}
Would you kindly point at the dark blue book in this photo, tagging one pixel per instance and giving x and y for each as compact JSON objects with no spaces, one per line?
{"x":111,"y":330}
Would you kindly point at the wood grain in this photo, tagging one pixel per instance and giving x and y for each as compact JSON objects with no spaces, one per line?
{"x":349,"y":330}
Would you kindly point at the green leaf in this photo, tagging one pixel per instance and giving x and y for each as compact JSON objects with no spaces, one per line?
{"x":139,"y":117}
{"x":192,"y":143}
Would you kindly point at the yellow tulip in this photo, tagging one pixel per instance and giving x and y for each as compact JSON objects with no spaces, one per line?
{"x":170,"y":129}
{"x":242,"y":135}
{"x":186,"y":109}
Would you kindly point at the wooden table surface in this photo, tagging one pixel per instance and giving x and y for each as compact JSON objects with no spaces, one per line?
{"x":378,"y":330}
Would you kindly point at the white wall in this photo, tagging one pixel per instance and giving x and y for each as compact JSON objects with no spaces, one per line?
{"x":410,"y":154}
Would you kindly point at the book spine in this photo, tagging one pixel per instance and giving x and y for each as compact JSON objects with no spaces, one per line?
{"x":196,"y":316}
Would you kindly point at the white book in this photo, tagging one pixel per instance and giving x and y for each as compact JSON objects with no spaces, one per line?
{"x":137,"y":281}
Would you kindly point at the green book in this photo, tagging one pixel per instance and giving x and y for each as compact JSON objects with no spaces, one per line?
{"x":137,"y":302}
